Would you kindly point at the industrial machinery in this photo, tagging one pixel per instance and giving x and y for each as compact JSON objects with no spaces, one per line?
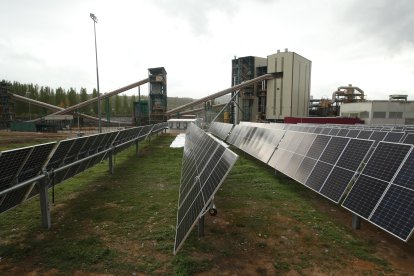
{"x":158,"y":94}
{"x":330,"y":107}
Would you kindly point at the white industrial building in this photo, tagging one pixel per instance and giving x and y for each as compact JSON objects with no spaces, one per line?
{"x":274,"y":99}
{"x":381,"y":112}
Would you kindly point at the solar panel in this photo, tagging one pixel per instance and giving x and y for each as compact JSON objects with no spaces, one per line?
{"x":268,"y":143}
{"x":354,"y":154}
{"x":295,"y":141}
{"x":334,"y":131}
{"x":74,"y":151}
{"x":318,"y":146}
{"x":395,"y":212}
{"x":11,"y":163}
{"x":409,"y":139}
{"x":385,"y":160}
{"x":365,"y":134}
{"x":326,"y":130}
{"x":334,"y":149}
{"x":305,"y":143}
{"x":37,"y":159}
{"x":59,"y":154}
{"x":318,"y":130}
{"x":405,"y":176}
{"x":394,"y":137}
{"x":201,"y":186}
{"x":304,"y":169}
{"x":343,"y":132}
{"x":294,"y":164}
{"x":318,"y":175}
{"x":221,"y":130}
{"x":353,"y":133}
{"x":378,"y":136}
{"x":336,"y":184}
{"x":364,"y":195}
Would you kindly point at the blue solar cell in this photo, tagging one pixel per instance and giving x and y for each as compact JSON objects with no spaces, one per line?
{"x":365,"y":195}
{"x":385,"y":160}
{"x":395,"y":212}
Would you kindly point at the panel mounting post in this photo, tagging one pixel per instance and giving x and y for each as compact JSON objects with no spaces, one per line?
{"x":356,"y":222}
{"x":136,"y":147}
{"x":111,"y":162}
{"x":44,"y":203}
{"x":201,"y":226}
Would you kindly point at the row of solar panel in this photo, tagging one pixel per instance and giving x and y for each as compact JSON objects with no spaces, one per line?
{"x":206,"y":163}
{"x":373,"y":133}
{"x":328,"y":164}
{"x":60,"y":160}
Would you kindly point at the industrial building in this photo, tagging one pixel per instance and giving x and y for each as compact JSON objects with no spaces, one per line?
{"x":396,"y":111}
{"x":274,"y":99}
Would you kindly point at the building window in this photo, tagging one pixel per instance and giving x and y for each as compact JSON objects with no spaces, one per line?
{"x":364,"y":114}
{"x":396,"y":115}
{"x":379,"y":114}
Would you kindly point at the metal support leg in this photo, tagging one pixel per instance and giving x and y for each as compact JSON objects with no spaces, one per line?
{"x":201,"y":226}
{"x":356,"y":222}
{"x":44,"y":204}
{"x":111,"y":162}
{"x":136,"y":147}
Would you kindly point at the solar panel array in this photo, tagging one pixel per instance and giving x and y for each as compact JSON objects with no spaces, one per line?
{"x":384,"y":192}
{"x":21,"y":169}
{"x":370,"y":165}
{"x":206,"y":163}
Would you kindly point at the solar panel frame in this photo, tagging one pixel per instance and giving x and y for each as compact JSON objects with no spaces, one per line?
{"x":394,"y":136}
{"x":204,"y":185}
{"x":409,"y":139}
{"x":394,"y":212}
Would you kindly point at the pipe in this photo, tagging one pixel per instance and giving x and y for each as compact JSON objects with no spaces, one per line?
{"x":106,"y":95}
{"x":193,"y":111}
{"x":52,"y":107}
{"x":226,"y":91}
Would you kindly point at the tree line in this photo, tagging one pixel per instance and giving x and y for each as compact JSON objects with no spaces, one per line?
{"x":119,"y":105}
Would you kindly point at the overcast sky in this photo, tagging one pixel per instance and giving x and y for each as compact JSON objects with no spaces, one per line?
{"x":367,"y":43}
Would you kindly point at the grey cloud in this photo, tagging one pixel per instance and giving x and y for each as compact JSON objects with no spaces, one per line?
{"x":196,"y":11}
{"x":392,"y":22}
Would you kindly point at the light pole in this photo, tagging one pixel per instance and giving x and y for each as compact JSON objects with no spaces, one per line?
{"x":95,"y":20}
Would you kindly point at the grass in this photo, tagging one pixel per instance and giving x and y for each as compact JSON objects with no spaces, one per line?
{"x":125,"y":223}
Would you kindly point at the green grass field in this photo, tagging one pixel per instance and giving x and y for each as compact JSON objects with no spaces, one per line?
{"x":124,"y":224}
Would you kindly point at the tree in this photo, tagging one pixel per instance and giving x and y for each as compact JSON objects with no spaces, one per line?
{"x":95,"y":105}
{"x":125,"y":105}
{"x":83,"y":98}
{"x":72,"y":97}
{"x":60,"y":97}
{"x":117,"y":105}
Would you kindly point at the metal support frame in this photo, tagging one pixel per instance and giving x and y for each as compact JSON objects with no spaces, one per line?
{"x":136,"y":147}
{"x":44,"y":203}
{"x":201,"y":226}
{"x":229,"y":102}
{"x":356,"y":222}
